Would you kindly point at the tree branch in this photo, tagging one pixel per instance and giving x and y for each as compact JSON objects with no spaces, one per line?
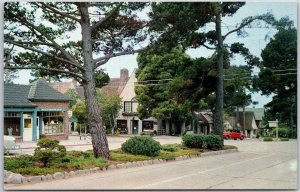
{"x":213,"y":48}
{"x":68,"y":56}
{"x":267,"y":18}
{"x":45,"y":68}
{"x":58,"y":12}
{"x":36,"y":50}
{"x":100,"y":22}
{"x":103,"y":60}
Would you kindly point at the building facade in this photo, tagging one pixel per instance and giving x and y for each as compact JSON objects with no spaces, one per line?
{"x":35,"y":110}
{"x":128,"y":121}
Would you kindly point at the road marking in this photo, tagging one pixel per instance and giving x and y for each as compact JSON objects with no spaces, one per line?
{"x":200,"y":172}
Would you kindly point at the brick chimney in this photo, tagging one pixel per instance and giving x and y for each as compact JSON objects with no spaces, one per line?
{"x":124,"y":74}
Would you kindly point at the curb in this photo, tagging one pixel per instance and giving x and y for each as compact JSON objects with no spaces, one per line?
{"x":13,"y":178}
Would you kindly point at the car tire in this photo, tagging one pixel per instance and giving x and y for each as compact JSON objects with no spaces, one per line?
{"x":242,"y":138}
{"x":235,"y":138}
{"x":227,"y":137}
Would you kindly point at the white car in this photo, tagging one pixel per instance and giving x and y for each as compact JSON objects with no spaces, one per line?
{"x":10,"y":143}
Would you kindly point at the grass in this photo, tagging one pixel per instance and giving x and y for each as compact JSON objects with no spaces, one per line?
{"x":268,"y":139}
{"x":76,"y":160}
{"x":284,"y":139}
{"x":229,"y":147}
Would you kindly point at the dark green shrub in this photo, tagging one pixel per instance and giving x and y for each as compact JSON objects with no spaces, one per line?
{"x":293,"y":133}
{"x":193,"y":140}
{"x":268,"y":138}
{"x":213,"y":142}
{"x":49,"y":150}
{"x":282,"y":132}
{"x":11,"y":164}
{"x":284,"y":139}
{"x":141,"y":145}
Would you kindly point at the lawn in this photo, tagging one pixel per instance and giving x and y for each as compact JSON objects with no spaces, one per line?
{"x":77,"y":160}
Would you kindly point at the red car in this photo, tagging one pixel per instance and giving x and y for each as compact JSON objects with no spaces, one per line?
{"x":233,"y":134}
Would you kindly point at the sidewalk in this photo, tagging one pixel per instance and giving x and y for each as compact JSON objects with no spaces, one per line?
{"x":74,"y":142}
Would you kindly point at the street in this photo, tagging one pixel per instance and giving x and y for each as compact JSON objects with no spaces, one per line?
{"x":257,"y":165}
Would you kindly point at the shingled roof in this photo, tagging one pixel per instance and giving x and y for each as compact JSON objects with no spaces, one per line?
{"x":24,"y":95}
{"x":17,"y":96}
{"x":41,"y":91}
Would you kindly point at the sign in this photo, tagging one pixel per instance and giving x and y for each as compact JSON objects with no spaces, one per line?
{"x":273,"y":123}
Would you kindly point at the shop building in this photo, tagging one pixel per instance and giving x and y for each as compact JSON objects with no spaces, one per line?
{"x":35,"y":110}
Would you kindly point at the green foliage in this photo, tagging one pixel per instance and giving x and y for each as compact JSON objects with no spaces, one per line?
{"x":213,"y":142}
{"x":73,"y":95}
{"x":229,"y":147}
{"x":193,"y":140}
{"x":80,"y":112}
{"x":182,"y":84}
{"x":282,"y":132}
{"x":48,"y":150}
{"x":141,"y":145}
{"x":110,"y":104}
{"x":268,"y":139}
{"x":280,"y":57}
{"x":23,"y":161}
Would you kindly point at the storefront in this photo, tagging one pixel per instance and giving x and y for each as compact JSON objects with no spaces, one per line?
{"x":35,"y":110}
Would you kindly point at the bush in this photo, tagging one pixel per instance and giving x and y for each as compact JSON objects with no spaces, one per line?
{"x":141,"y":145}
{"x":35,"y":171}
{"x":49,"y":150}
{"x":284,"y":139}
{"x":23,"y":161}
{"x":213,"y":142}
{"x":268,"y":139}
{"x":293,"y":133}
{"x":282,"y":132}
{"x":193,"y":140}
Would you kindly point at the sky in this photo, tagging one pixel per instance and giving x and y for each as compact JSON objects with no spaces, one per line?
{"x":255,"y":41}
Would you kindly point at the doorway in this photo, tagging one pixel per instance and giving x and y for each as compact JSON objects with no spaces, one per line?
{"x":135,"y":127}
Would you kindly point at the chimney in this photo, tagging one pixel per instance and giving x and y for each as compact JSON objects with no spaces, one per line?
{"x":124,"y":74}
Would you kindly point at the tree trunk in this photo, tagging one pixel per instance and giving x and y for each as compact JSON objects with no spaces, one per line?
{"x":99,"y":140}
{"x":218,"y":120}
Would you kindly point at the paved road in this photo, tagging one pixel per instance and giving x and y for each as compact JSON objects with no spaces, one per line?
{"x":257,"y":165}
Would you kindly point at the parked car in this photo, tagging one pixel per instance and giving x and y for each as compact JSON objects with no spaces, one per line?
{"x":233,"y":134}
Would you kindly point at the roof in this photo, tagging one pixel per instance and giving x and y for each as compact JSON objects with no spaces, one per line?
{"x":16,"y":95}
{"x":249,"y":123}
{"x":258,"y":113}
{"x":41,"y":91}
{"x":206,"y":116}
{"x":115,"y":85}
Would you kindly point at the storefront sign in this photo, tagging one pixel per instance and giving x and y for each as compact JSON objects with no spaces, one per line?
{"x":51,"y":109}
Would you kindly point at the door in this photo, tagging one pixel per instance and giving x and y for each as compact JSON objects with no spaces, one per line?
{"x":135,"y":127}
{"x":27,"y":134}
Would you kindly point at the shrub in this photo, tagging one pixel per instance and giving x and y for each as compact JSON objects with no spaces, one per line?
{"x":282,"y":132}
{"x":193,"y":140}
{"x":35,"y":171}
{"x":49,"y":150}
{"x":213,"y":142}
{"x":268,"y":139}
{"x":284,"y":139}
{"x":142,"y":145}
{"x":23,"y":161}
{"x":293,"y":133}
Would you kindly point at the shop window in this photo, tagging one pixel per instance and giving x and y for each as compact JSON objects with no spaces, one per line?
{"x":122,"y":126}
{"x":53,"y":122}
{"x":12,"y":126}
{"x":148,"y":125}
